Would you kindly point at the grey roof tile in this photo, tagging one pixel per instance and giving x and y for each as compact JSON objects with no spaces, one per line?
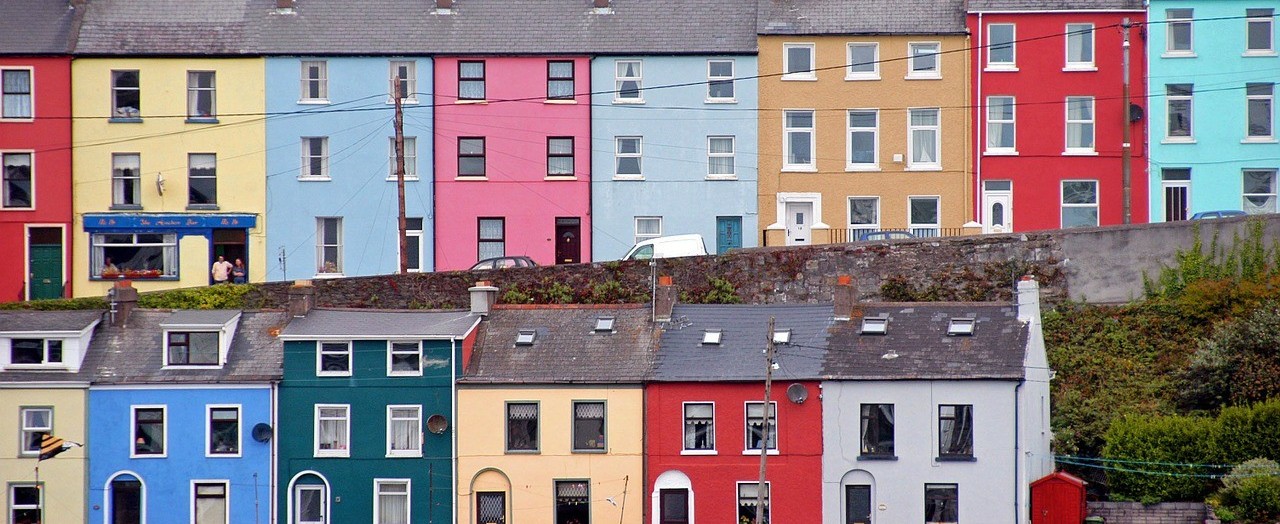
{"x":199,"y":317}
{"x":36,"y":27}
{"x":166,"y":27}
{"x":46,"y":321}
{"x":847,"y":17}
{"x":566,"y":349}
{"x":740,"y":354}
{"x":1054,"y":5}
{"x":372,"y":323}
{"x":134,"y":354}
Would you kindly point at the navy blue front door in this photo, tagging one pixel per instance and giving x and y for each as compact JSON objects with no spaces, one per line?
{"x":728,"y":233}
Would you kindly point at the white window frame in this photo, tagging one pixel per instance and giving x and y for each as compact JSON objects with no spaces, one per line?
{"x":208,"y":430}
{"x":737,"y":496}
{"x":317,"y":452}
{"x":294,"y":503}
{"x":322,"y":268}
{"x":305,"y":82}
{"x":618,"y":80}
{"x":1244,"y":197}
{"x":417,"y":234}
{"x":777,"y":426}
{"x":850,"y":74}
{"x":226,"y":496}
{"x":168,"y":248}
{"x":408,"y":498}
{"x":120,"y":166}
{"x":25,"y":430}
{"x":398,"y":453}
{"x":31,"y":179}
{"x":713,"y":79}
{"x":640,"y":237}
{"x":411,"y":82}
{"x":684,"y":422}
{"x":391,"y":352}
{"x":1012,"y":64}
{"x":1092,"y":122}
{"x":1269,"y":22}
{"x":1191,"y":116}
{"x":133,"y":430}
{"x":1091,"y":40}
{"x":731,"y":155}
{"x":850,"y":165}
{"x":410,"y":159}
{"x":45,"y":361}
{"x":856,"y":230}
{"x":194,"y":92}
{"x":808,"y":73}
{"x":927,"y":74}
{"x":1269,"y":98}
{"x":30,"y":94}
{"x":618,"y":155}
{"x":1095,"y":205}
{"x":1171,"y":24}
{"x":812,"y":165}
{"x":993,"y":121}
{"x":320,"y":371}
{"x":188,"y":364}
{"x":916,"y":227}
{"x":936,"y":165}
{"x":308,"y":159}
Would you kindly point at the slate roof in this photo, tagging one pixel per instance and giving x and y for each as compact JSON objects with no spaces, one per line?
{"x":379,"y":324}
{"x":169,"y":27}
{"x":1054,"y":5}
{"x":46,"y":321}
{"x":865,"y":17}
{"x":36,"y":27}
{"x":917,"y":334}
{"x":740,"y":355}
{"x":504,"y":26}
{"x":134,"y":354}
{"x":199,"y":317}
{"x":566,"y":349}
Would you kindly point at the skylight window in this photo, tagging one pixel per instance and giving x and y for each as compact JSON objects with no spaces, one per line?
{"x":711,"y":337}
{"x":782,"y":336}
{"x":961,"y":327}
{"x":525,"y":337}
{"x":875,"y":325}
{"x":604,"y":324}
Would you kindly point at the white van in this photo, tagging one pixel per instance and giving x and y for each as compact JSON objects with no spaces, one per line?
{"x":668,"y":247}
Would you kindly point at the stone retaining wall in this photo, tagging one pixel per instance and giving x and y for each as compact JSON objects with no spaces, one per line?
{"x":1163,"y":513}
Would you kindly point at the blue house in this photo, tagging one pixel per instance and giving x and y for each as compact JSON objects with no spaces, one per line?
{"x":331,"y":183}
{"x":180,"y":418}
{"x":1212,"y":81}
{"x":366,"y":414}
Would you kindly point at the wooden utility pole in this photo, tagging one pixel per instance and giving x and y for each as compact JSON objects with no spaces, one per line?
{"x":1125,"y":146}
{"x":764,"y":431}
{"x":399,"y":125}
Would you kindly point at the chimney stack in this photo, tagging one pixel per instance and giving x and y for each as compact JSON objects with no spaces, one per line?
{"x":664,"y":299}
{"x":1028,"y":299}
{"x":124,"y":299}
{"x":483,"y":296}
{"x":845,"y":298}
{"x":284,"y":7}
{"x":301,"y":298}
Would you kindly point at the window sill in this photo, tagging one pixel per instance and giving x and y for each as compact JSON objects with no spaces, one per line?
{"x":863,"y":168}
{"x":223,"y":455}
{"x":922,"y":168}
{"x":756,"y":452}
{"x":591,"y":451}
{"x":332,"y":454}
{"x":314,"y":102}
{"x":471,"y":178}
{"x":201,"y":120}
{"x":955,"y":458}
{"x":122,"y":120}
{"x":702,"y":452}
{"x":878,"y":457}
{"x":922,"y":77}
{"x":137,"y":279}
{"x":560,"y":101}
{"x":406,"y":179}
{"x":799,"y":78}
{"x":1178,"y":141}
{"x":464,"y":102}
{"x":1080,"y":153}
{"x":403,"y":101}
{"x":149,"y":456}
{"x":314,"y":179}
{"x":560,"y":178}
{"x":860,"y":78}
{"x":1000,"y":69}
{"x":331,"y":275}
{"x":523,"y":452}
{"x":1178,"y":54}
{"x":404,"y":455}
{"x":29,"y":208}
{"x":1259,"y":140}
{"x":170,"y":367}
{"x":628,"y":178}
{"x":394,"y":374}
{"x":628,"y":101}
{"x":25,"y":119}
{"x":125,"y":207}
{"x":202,"y":207}
{"x":720,"y":101}
{"x":334,"y":375}
{"x":799,"y":169}
{"x":1080,"y":68}
{"x":999,"y":152}
{"x":1258,"y":54}
{"x":722,"y":177}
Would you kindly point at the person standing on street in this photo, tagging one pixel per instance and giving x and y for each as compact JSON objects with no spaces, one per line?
{"x":239,"y":274}
{"x":221,"y":270}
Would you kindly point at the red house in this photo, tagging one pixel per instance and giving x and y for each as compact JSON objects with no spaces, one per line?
{"x":1050,"y":116}
{"x":35,"y":148}
{"x":705,"y":415}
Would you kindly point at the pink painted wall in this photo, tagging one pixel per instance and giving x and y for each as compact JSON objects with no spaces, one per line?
{"x":515,"y":119}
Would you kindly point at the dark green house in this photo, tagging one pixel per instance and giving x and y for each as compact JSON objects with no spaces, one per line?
{"x":366,"y":410}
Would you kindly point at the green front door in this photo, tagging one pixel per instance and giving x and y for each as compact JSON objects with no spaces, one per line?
{"x":45,"y":280}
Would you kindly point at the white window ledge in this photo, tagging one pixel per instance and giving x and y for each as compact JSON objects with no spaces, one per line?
{"x":799,"y":169}
{"x":629,"y":178}
{"x":466,"y":178}
{"x":314,"y":179}
{"x":628,"y":100}
{"x":703,"y":452}
{"x":1258,"y":54}
{"x":471,"y":102}
{"x":860,"y":78}
{"x":1000,"y":152}
{"x":923,"y":168}
{"x":406,"y":179}
{"x":722,"y":177}
{"x":1179,"y":54}
{"x":1259,"y":140}
{"x":314,"y":101}
{"x":720,"y":101}
{"x":1080,"y":153}
{"x":922,"y":77}
{"x":557,"y":101}
{"x":756,"y":452}
{"x":330,"y":275}
{"x":1001,"y":69}
{"x":560,"y":178}
{"x":863,"y":168}
{"x":1080,"y":68}
{"x":403,"y":101}
{"x":1178,"y":141}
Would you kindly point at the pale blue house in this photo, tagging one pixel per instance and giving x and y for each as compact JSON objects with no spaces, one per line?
{"x":1212,"y":68}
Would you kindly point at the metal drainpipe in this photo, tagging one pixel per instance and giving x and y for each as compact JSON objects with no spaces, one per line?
{"x":1017,"y":452}
{"x":981,"y":129}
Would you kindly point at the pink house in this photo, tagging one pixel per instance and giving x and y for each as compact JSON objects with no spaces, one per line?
{"x":512,"y":151}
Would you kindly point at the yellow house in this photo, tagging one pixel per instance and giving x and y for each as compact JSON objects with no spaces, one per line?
{"x":44,"y":390}
{"x":864,"y":123}
{"x":551,"y":416}
{"x":169,"y":170}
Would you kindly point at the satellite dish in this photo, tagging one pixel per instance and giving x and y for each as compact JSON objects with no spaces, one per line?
{"x":797,"y":393}
{"x":262,"y":432}
{"x":437,"y":424}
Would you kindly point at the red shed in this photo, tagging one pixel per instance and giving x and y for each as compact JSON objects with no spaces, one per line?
{"x":1058,"y":498}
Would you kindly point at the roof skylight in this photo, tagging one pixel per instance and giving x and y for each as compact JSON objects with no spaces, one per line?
{"x":782,"y":336}
{"x":525,"y":337}
{"x":875,"y":325}
{"x":711,"y":337}
{"x":961,"y":327}
{"x":604,"y":324}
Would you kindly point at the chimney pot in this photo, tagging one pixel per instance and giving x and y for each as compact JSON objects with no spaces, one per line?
{"x":125,"y":297}
{"x":600,"y":4}
{"x":444,"y":4}
{"x":483,"y":296}
{"x":845,"y":298}
{"x":664,"y":299}
{"x":301,"y":298}
{"x":284,"y":4}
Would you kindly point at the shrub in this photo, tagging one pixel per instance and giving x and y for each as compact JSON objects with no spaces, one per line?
{"x":221,"y":296}
{"x":1251,"y":492}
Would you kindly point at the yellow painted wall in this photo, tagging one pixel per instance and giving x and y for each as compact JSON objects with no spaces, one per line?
{"x":830,"y":96}
{"x":163,"y":140}
{"x":483,"y":464}
{"x":64,"y":476}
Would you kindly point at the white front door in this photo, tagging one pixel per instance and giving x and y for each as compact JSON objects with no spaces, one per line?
{"x":997,"y":207}
{"x":309,"y":503}
{"x":799,"y":223}
{"x":1177,"y":199}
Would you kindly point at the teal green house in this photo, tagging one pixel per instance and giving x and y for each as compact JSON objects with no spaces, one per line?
{"x":366,"y":411}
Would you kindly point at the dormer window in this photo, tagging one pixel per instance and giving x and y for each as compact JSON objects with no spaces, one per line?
{"x":875,"y":325}
{"x":711,"y":337}
{"x":960,"y":327}
{"x":525,"y":337}
{"x":782,"y":336}
{"x":604,"y":324}
{"x":35,"y":351}
{"x":192,"y":348}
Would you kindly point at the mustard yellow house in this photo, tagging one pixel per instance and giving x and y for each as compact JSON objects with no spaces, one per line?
{"x":864,"y":123}
{"x":550,"y":416}
{"x":169,"y":147}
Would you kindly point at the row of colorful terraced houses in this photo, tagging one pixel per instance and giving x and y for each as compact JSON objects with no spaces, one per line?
{"x":539,"y":414}
{"x":144,"y":138}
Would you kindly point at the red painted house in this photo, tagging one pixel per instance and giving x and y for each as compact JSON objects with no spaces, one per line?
{"x":705,"y":415}
{"x":35,"y":149}
{"x":1050,"y":117}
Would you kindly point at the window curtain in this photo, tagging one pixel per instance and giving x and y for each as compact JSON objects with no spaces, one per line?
{"x":628,"y":80}
{"x":1078,"y":49}
{"x":925,"y":146}
{"x":170,"y":254}
{"x":17,"y":94}
{"x":393,"y":504}
{"x":404,"y":429}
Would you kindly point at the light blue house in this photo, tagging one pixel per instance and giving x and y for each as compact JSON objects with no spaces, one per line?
{"x":1212,"y":81}
{"x":180,"y":416}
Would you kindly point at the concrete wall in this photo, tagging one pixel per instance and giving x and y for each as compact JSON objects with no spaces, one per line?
{"x":1163,"y":513}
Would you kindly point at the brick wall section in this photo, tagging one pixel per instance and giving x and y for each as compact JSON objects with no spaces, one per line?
{"x":1163,"y":513}
{"x":1096,"y":265}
